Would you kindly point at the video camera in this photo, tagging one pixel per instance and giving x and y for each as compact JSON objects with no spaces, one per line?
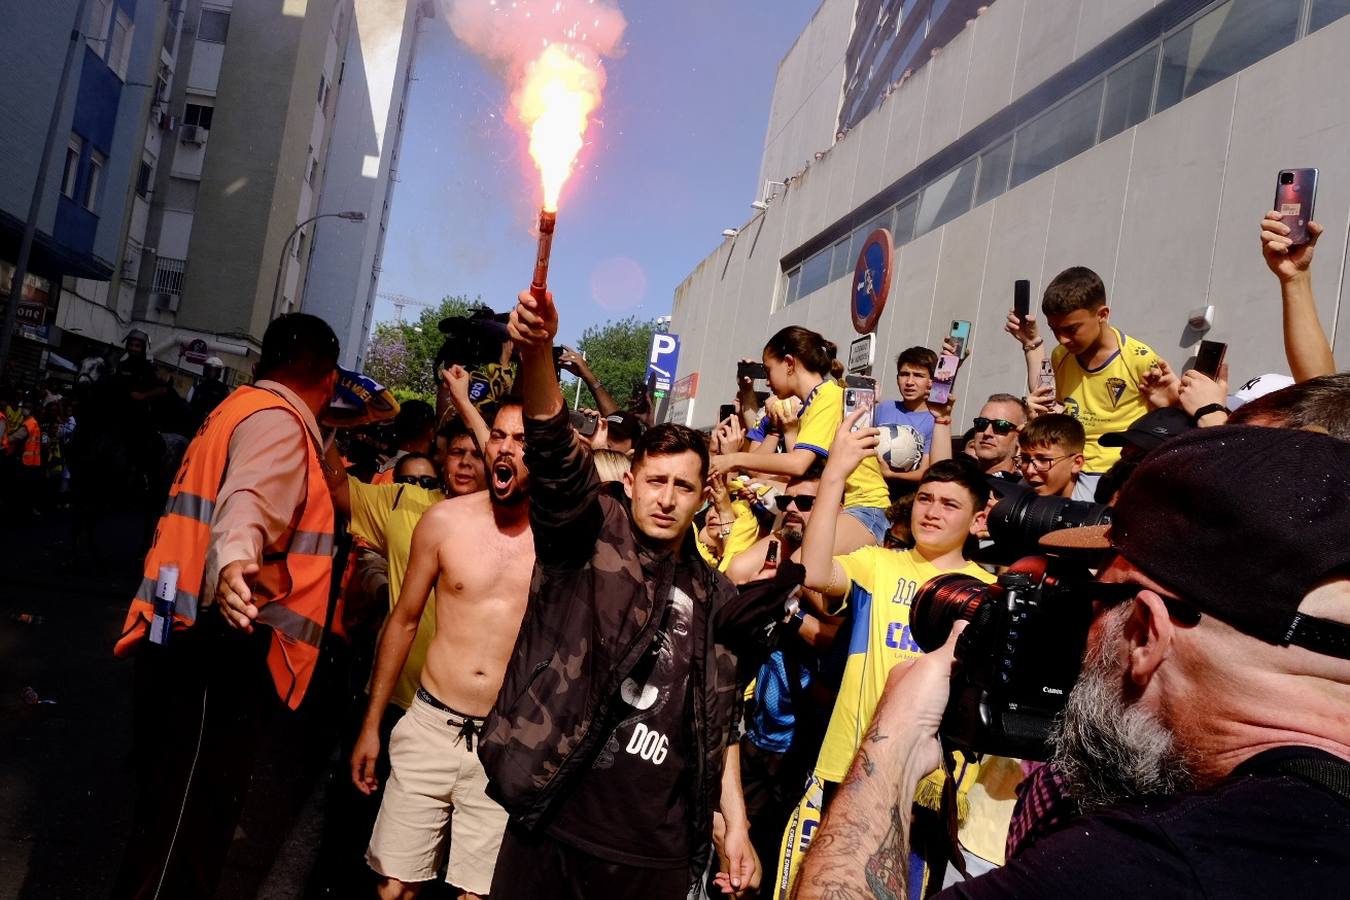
{"x":473,"y":341}
{"x":1019,"y":656}
{"x":1020,"y":518}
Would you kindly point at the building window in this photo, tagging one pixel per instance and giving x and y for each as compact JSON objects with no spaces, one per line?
{"x":1063,"y":132}
{"x":905,"y":214}
{"x":793,"y":282}
{"x":946,"y":198}
{"x":162,"y":85}
{"x":1129,"y":92}
{"x":815,"y":273}
{"x":145,"y":178}
{"x":842,"y":261}
{"x":323,"y":88}
{"x":1324,"y":12}
{"x":100,"y":20}
{"x":71,"y":173}
{"x":168,"y":276}
{"x":994,"y":164}
{"x":198,"y":115}
{"x":213,"y":26}
{"x":91,"y":188}
{"x":119,"y":45}
{"x":300,"y":246}
{"x":1221,"y":43}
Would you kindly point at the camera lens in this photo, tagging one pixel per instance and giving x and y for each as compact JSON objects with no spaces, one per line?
{"x":1286,"y":178}
{"x":939,"y":604}
{"x":1019,"y":520}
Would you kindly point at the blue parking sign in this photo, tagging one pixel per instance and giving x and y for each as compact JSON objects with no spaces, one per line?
{"x":662,"y":360}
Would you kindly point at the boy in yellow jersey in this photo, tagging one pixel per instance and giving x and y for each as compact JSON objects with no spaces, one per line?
{"x":878,"y":584}
{"x":1103,"y":377}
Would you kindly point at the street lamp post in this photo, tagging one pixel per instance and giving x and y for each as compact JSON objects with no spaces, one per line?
{"x":350,"y":215}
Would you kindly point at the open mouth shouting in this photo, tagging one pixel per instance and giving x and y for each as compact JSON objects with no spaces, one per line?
{"x":503,"y":478}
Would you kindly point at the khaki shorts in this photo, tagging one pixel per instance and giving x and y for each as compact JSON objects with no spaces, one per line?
{"x":435,"y":772}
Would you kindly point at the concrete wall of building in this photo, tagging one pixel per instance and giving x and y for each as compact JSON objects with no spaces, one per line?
{"x":367,"y":130}
{"x":806,"y":92}
{"x":250,"y":191}
{"x":989,"y":73}
{"x":1166,"y":212}
{"x":38,"y":35}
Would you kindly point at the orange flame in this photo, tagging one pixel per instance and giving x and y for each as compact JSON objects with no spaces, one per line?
{"x":555,"y":102}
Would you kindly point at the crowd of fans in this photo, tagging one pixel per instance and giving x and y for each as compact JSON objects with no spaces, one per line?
{"x":601,"y":657}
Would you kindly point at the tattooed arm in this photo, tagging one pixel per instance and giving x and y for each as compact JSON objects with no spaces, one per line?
{"x":862,"y":848}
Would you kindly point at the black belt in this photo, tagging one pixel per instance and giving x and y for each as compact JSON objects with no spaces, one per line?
{"x":469,"y":726}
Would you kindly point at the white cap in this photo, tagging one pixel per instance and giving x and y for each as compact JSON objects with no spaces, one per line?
{"x":1259,"y":387}
{"x":214,"y":361}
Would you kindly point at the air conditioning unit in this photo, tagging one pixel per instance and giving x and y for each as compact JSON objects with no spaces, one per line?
{"x":166,"y":302}
{"x":192,"y":134}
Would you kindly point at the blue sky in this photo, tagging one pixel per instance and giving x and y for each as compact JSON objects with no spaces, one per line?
{"x":672,"y":161}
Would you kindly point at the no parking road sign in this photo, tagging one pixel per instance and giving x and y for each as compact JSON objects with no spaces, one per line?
{"x":871,"y":281}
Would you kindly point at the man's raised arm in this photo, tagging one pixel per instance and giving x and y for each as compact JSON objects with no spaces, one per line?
{"x":564,"y":486}
{"x":533,"y":326}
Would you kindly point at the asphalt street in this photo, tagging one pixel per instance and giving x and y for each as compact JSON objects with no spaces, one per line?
{"x":65,"y":781}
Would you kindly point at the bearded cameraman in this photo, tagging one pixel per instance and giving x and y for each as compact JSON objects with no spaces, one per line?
{"x":1207,"y":737}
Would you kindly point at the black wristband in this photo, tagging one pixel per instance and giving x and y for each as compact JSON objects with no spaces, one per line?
{"x":1206,"y":410}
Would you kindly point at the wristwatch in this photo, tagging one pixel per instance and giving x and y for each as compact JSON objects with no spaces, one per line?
{"x":1206,"y":410}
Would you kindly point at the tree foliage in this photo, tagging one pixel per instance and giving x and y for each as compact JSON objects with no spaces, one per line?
{"x":401,"y":355}
{"x":617,"y":354}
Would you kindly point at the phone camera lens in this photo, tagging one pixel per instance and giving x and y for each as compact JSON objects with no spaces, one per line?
{"x":1286,"y":178}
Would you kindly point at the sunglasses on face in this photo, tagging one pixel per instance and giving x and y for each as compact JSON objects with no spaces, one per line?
{"x":1113,"y":594}
{"x":430,"y":482}
{"x":803,"y":503}
{"x":1001,"y":426}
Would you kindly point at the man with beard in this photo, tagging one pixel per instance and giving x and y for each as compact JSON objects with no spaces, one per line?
{"x":477,"y":552}
{"x":785,"y":723}
{"x":1207,"y":739}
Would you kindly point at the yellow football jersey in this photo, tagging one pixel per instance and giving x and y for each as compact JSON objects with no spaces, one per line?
{"x":1104,"y":399}
{"x":883,"y":586}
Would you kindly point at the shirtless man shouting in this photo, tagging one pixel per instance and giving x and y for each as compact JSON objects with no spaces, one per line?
{"x":478,"y":553}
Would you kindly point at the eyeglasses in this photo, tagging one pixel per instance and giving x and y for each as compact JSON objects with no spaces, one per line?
{"x":1042,"y":463}
{"x":430,"y":482}
{"x":1001,"y":426}
{"x":803,"y":502}
{"x":893,"y":541}
{"x":1115,"y":593}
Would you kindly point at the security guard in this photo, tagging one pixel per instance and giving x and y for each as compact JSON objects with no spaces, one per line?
{"x":249,"y":529}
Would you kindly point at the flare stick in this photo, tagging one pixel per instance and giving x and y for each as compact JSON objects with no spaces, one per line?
{"x":547,"y":219}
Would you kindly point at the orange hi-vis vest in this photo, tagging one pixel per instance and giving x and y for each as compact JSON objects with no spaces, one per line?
{"x":32,"y":445}
{"x":292,"y":587}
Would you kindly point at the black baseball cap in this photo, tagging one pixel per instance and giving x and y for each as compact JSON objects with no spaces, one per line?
{"x":624,"y":426}
{"x":1240,"y":521}
{"x":1151,"y":430}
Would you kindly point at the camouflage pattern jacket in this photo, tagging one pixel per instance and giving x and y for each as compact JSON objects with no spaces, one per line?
{"x":596,"y":598}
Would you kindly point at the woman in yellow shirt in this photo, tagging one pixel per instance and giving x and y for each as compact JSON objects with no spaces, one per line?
{"x":802,"y":364}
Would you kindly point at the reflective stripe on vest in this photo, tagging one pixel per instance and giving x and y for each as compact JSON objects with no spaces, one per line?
{"x":32,"y":444}
{"x":292,"y":587}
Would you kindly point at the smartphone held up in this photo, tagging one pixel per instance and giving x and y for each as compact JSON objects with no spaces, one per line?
{"x":1295,"y":194}
{"x":1209,"y":357}
{"x":860,"y":393}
